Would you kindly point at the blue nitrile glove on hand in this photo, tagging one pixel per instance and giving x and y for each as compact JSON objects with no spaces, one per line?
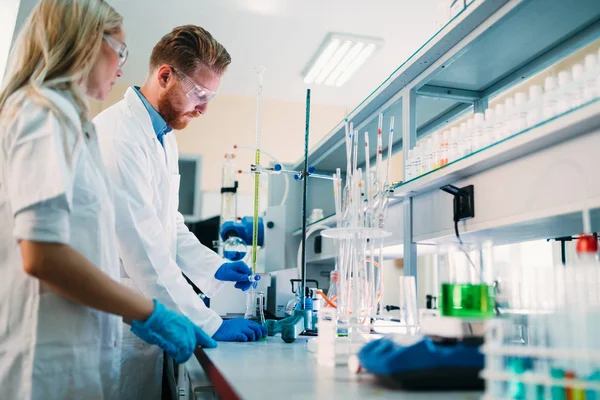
{"x":239,"y":330}
{"x":238,"y":272}
{"x":172,"y":332}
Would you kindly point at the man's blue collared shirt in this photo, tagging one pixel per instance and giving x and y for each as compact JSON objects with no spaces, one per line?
{"x":158,"y":122}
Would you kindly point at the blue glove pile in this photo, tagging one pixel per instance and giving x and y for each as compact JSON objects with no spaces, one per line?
{"x":238,"y":272}
{"x":172,"y":332}
{"x":239,"y":330}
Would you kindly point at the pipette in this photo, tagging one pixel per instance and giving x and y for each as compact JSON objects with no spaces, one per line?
{"x":259,"y":71}
{"x":389,"y":157}
{"x":379,"y":159}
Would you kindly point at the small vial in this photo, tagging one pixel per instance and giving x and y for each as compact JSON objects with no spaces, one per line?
{"x":509,"y":111}
{"x":488,"y":127}
{"x":478,"y":140}
{"x":577,"y":87}
{"x":550,"y":98}
{"x":563,"y":103}
{"x":520,"y":115}
{"x":453,"y":143}
{"x":534,"y":113}
{"x":499,"y":121}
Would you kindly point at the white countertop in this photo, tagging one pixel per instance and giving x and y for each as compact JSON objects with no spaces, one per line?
{"x":272,"y":369}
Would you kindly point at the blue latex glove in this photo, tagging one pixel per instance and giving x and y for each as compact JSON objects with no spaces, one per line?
{"x":239,"y":330}
{"x":238,"y":272}
{"x":385,"y":357}
{"x":172,"y":332}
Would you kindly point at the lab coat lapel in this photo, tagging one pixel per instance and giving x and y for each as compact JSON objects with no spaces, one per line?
{"x":143,"y":118}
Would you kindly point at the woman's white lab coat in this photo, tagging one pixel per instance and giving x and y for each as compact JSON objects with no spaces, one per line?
{"x":51,"y":347}
{"x":155,"y":245}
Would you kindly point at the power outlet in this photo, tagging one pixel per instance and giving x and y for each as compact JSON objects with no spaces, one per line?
{"x":464,"y":204}
{"x":464,"y":201}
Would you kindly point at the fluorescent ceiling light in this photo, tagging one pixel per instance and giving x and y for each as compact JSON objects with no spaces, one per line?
{"x":339,"y":57}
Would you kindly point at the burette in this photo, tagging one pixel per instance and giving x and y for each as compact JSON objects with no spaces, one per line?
{"x":259,"y":71}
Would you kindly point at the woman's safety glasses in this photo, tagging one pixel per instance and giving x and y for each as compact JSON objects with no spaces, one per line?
{"x":119,"y":48}
{"x":193,"y":91}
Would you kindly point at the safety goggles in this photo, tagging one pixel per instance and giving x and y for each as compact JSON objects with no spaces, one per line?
{"x":119,"y":48}
{"x":193,"y":91}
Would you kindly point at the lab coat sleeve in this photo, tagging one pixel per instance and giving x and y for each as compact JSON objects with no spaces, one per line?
{"x":143,"y":246}
{"x":35,"y":156}
{"x":47,"y":221}
{"x":198,"y":262}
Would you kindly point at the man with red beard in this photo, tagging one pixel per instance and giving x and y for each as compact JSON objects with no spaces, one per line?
{"x":155,"y":246}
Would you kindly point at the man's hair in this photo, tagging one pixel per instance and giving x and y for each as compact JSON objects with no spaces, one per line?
{"x":189,"y":47}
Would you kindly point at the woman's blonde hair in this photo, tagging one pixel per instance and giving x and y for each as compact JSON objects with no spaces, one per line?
{"x":56,"y":49}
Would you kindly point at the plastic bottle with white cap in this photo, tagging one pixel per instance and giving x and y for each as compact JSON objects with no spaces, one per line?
{"x":408,"y":166}
{"x":460,"y":146}
{"x":468,"y":139}
{"x":418,"y":160}
{"x":550,"y":98}
{"x":534,"y":113}
{"x":500,"y":121}
{"x":453,"y":154}
{"x":444,"y":147}
{"x":437,"y":142}
{"x":478,"y":142}
{"x":576,"y":88}
{"x":430,"y":156}
{"x":520,"y":114}
{"x":563,"y":103}
{"x":509,"y":111}
{"x":592,"y":72}
{"x":488,"y":127}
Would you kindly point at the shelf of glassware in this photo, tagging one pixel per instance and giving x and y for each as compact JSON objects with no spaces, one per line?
{"x":329,"y":153}
{"x":516,"y":127}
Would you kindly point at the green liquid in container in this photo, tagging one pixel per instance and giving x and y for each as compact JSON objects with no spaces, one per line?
{"x":466,"y":300}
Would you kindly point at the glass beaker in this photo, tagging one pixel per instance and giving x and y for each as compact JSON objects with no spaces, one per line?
{"x":255,"y":302}
{"x":466,"y":288}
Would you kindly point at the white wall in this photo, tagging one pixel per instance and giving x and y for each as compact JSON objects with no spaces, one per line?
{"x":9,"y":10}
{"x":230,"y":121}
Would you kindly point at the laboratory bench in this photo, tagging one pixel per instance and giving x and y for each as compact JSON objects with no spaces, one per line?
{"x":272,"y":369}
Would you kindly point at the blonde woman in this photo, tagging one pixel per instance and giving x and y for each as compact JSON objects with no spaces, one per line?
{"x":60,"y":306}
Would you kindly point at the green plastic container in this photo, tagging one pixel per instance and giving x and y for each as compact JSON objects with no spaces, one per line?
{"x":466,"y":300}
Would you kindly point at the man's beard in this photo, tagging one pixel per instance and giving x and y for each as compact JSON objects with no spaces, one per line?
{"x":171,"y":112}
